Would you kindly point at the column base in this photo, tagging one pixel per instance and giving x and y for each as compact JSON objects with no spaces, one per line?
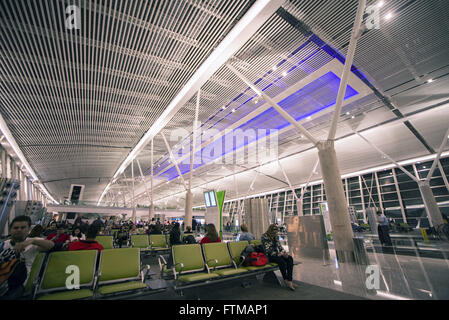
{"x":345,"y":256}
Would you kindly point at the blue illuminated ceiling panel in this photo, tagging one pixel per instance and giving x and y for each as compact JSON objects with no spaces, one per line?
{"x":312,"y":98}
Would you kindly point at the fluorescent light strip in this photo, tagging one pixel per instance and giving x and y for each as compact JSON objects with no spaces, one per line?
{"x":391,"y":296}
{"x":12,"y":142}
{"x":241,"y":33}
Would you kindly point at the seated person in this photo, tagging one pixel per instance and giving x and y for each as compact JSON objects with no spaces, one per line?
{"x":102,"y":231}
{"x":211,"y":234}
{"x":77,"y":235}
{"x":189,"y":238}
{"x":20,"y":246}
{"x":36,"y":232}
{"x":175,"y":234}
{"x":275,"y":253}
{"x":51,"y":229}
{"x":244,"y":235}
{"x":89,"y":243}
{"x":59,"y":236}
{"x":156,"y":229}
{"x":121,"y":236}
{"x":133,"y":231}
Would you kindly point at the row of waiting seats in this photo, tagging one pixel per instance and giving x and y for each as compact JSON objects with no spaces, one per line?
{"x":104,"y":274}
{"x":196,"y":265}
{"x":147,"y":243}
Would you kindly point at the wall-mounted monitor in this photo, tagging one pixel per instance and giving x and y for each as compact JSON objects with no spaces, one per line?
{"x":210,"y":199}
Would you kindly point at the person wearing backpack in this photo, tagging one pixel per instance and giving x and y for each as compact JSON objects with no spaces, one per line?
{"x":16,"y":257}
{"x":277,"y":254}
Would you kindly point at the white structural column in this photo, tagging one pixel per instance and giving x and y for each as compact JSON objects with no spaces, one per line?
{"x":335,"y":195}
{"x":303,"y":191}
{"x":143,"y":181}
{"x":338,"y":209}
{"x":189,"y":196}
{"x":3,"y":159}
{"x":341,"y":225}
{"x":175,"y":163}
{"x":8,"y":167}
{"x":433,"y":211}
{"x":133,"y":217}
{"x":151,"y":211}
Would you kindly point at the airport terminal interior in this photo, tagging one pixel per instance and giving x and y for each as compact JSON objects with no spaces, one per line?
{"x":325,"y":121}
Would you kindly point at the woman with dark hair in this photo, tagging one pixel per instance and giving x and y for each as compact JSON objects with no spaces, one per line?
{"x":36,"y":232}
{"x":211,"y":234}
{"x":77,"y":235}
{"x":175,"y":234}
{"x":275,"y":253}
{"x":122,"y":236}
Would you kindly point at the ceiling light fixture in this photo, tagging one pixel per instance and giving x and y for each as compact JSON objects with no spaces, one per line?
{"x":12,"y":142}
{"x":389,"y":16}
{"x":284,"y":73}
{"x":380,"y":4}
{"x":430,"y":81}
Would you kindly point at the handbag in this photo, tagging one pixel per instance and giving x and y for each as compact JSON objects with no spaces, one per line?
{"x":256,"y":259}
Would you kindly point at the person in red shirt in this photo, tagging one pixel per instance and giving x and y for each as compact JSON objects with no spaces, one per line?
{"x":211,"y":234}
{"x":59,"y":236}
{"x":89,"y":243}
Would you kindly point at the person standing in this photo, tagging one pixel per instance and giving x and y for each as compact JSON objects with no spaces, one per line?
{"x":383,"y":229}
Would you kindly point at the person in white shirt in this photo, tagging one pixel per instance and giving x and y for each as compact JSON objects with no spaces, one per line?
{"x":383,"y":229}
{"x":24,"y":248}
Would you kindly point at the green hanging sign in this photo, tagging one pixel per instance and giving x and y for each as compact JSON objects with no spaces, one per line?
{"x":220,"y":201}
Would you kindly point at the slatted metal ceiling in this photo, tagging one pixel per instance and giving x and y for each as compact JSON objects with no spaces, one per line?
{"x":78,"y":101}
{"x":103,"y":85}
{"x":383,"y":55}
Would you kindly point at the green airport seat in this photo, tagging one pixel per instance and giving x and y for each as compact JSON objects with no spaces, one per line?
{"x":120,"y":272}
{"x":140,"y":241}
{"x":53,"y":284}
{"x":236,"y":249}
{"x":218,"y":258}
{"x":158,"y":242}
{"x":33,"y":278}
{"x":189,"y":264}
{"x":256,"y":242}
{"x":105,"y":241}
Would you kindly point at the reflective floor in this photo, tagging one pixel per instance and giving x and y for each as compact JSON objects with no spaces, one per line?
{"x":411,"y":269}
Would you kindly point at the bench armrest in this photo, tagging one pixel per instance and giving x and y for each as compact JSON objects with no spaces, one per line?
{"x":215,"y":265}
{"x":162,"y":262}
{"x":144,"y":274}
{"x":174,"y":268}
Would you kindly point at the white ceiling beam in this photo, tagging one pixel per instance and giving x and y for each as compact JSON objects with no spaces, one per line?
{"x":259,"y":12}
